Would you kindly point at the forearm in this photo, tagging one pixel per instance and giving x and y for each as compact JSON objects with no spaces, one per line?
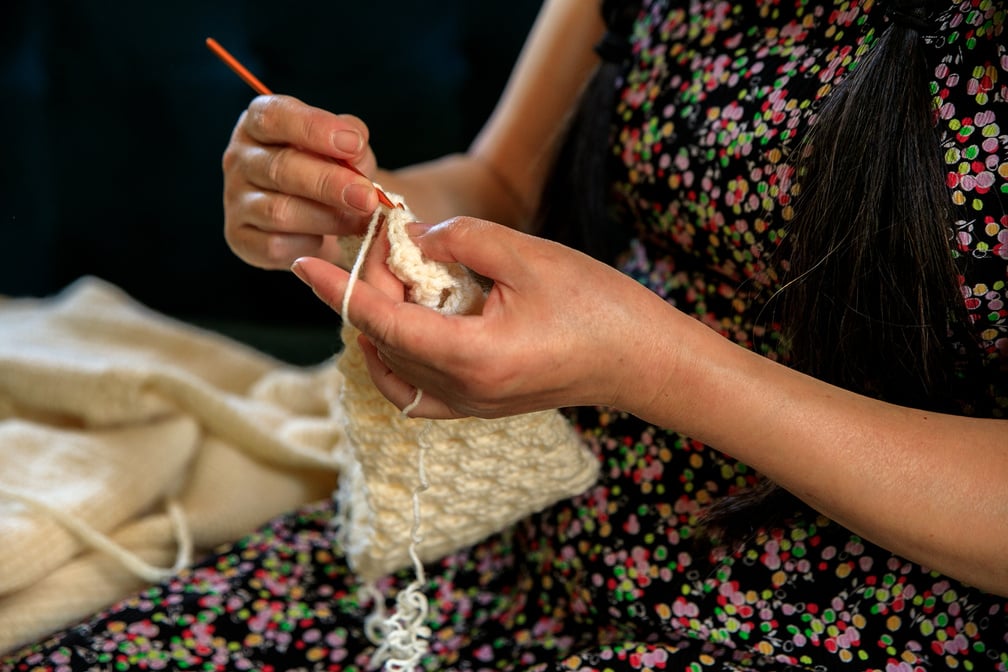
{"x":500,"y":177}
{"x":927,"y":486}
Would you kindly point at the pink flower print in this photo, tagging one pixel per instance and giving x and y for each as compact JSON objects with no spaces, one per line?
{"x":731,"y":594}
{"x":655,"y":658}
{"x":684,"y":609}
{"x":984,"y":181}
{"x":855,"y":547}
{"x":984,"y":118}
{"x":771,"y":556}
{"x":60,"y":658}
{"x":143,"y":629}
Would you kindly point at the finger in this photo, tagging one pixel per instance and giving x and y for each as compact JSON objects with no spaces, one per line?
{"x":391,"y":322}
{"x":276,"y":251}
{"x":287,"y":120}
{"x":291,"y":170}
{"x":278,"y":212}
{"x":373,"y":306}
{"x":400,"y":393}
{"x":492,"y":250}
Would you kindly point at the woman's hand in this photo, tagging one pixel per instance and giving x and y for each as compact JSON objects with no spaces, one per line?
{"x":285,"y":196}
{"x":561,"y":329}
{"x":558,"y":328}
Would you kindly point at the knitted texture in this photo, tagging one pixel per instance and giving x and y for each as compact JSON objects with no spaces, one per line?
{"x":133,"y":442}
{"x":483,"y":474}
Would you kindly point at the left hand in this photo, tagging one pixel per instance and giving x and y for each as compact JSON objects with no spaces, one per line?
{"x":558,"y":329}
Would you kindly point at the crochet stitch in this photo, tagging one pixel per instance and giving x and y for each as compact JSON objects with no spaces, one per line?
{"x":484,"y":474}
{"x":475,"y":476}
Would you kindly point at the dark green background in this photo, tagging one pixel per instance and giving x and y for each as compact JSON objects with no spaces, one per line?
{"x":115,"y":115}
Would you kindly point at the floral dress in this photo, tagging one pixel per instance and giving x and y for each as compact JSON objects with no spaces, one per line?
{"x":614,"y":579}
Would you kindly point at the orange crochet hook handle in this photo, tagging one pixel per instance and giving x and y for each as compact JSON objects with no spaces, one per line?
{"x":261,"y":88}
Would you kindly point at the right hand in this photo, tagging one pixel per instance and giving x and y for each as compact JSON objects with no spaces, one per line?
{"x":284,"y":194}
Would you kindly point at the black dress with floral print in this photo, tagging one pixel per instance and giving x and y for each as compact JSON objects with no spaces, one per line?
{"x":613,"y":579}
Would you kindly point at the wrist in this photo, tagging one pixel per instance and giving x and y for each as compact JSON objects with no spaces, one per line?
{"x":682,"y":374}
{"x":649,"y":357}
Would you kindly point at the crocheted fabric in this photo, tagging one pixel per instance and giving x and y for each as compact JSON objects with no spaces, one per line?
{"x":483,"y":475}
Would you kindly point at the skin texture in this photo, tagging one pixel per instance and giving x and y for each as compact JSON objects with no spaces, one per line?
{"x":558,"y":327}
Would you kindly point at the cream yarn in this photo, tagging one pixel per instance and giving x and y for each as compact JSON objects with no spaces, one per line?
{"x":484,"y":474}
{"x":417,"y":490}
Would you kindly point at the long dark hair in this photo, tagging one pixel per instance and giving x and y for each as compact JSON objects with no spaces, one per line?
{"x":871,"y":269}
{"x":871,"y":295}
{"x":870,"y":291}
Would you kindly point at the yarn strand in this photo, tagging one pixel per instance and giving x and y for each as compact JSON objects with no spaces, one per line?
{"x":404,"y":635}
{"x":102,"y":543}
{"x":375,"y":524}
{"x":401,"y":637}
{"x":358,"y":265}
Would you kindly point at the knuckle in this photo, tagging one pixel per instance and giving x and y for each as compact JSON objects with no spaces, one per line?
{"x":239,"y":240}
{"x":280,"y":211}
{"x":229,"y":159}
{"x":276,"y":252}
{"x":355,"y":123}
{"x":325,"y":186}
{"x":231,"y":234}
{"x":309,"y":124}
{"x":348,"y":224}
{"x":264,"y":113}
{"x":235,"y":158}
{"x":277,"y":165}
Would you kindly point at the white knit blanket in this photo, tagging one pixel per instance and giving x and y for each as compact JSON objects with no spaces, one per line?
{"x":111,"y":416}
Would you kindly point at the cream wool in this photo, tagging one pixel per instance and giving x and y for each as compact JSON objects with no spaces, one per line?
{"x":432,"y":487}
{"x":132,"y":441}
{"x":484,"y":474}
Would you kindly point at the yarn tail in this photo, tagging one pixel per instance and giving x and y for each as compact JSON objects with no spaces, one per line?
{"x":402,"y":638}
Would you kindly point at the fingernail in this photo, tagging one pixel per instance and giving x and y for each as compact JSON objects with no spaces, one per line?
{"x":297,"y":270}
{"x":348,"y":142}
{"x":361,"y":197}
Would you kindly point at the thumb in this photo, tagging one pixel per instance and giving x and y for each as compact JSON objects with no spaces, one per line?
{"x":491,"y":250}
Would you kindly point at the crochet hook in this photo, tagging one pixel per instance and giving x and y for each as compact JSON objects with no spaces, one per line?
{"x":261,"y":88}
